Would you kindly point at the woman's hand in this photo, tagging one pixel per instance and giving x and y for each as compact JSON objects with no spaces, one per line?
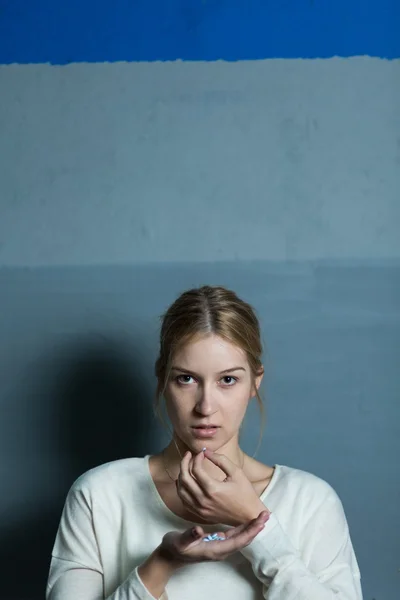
{"x":231,"y":502}
{"x":189,"y":547}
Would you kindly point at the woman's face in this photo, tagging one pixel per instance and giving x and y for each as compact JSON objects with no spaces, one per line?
{"x":208,"y":391}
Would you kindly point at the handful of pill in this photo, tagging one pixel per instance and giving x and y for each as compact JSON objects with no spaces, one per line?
{"x":213,"y":537}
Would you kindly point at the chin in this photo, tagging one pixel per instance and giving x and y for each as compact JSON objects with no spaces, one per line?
{"x":196,"y":445}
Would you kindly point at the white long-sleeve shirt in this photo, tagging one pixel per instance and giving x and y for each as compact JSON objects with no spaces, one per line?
{"x":114,"y":518}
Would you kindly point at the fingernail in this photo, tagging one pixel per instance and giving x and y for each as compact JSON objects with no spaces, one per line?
{"x":195,"y":533}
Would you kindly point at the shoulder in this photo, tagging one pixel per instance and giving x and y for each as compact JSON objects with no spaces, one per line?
{"x":311,"y":512}
{"x":305,"y":487}
{"x":306,"y":505}
{"x":111,"y":482}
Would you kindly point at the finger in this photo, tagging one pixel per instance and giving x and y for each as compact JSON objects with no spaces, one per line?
{"x":190,"y":468}
{"x":191,"y":535}
{"x":235,"y":530}
{"x":223,"y":548}
{"x":185,"y":468}
{"x":188,"y":499}
{"x":261,"y":519}
{"x":244,"y":537}
{"x":253,"y":527}
{"x":185,"y":461}
{"x":195,"y":459}
{"x":205,"y":481}
{"x":222,"y":461}
{"x":187,"y":479}
{"x":186,"y":465}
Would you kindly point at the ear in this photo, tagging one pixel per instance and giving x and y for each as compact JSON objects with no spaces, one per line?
{"x":257,"y":381}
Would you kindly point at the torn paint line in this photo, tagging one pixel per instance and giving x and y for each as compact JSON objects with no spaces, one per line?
{"x":43,"y":31}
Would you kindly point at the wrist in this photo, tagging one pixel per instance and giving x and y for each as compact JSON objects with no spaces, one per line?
{"x":156,"y":571}
{"x":166,"y":560}
{"x":253,"y":512}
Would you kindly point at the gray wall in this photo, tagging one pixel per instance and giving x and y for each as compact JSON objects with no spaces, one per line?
{"x":124,"y":184}
{"x":77,"y":353}
{"x":123,"y":163}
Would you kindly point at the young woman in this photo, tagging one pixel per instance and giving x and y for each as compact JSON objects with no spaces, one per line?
{"x":140,"y":528}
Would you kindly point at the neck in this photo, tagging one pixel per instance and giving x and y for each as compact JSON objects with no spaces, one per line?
{"x":176,"y":449}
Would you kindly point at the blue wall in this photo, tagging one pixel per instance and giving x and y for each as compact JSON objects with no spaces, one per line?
{"x":95,"y":31}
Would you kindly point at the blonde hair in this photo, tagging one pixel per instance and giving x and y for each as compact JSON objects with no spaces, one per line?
{"x":203,"y":311}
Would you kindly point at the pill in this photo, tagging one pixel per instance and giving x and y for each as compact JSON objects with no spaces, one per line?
{"x":213,"y":537}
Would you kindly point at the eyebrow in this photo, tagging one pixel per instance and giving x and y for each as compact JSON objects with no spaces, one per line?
{"x":176,"y":368}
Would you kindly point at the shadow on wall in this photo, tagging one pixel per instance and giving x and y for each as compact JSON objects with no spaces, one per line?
{"x":101,"y":413}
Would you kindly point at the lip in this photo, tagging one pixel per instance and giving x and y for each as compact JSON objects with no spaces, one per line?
{"x":205,"y":431}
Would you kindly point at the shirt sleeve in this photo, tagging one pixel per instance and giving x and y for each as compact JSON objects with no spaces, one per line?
{"x":324,"y":568}
{"x":76,"y":571}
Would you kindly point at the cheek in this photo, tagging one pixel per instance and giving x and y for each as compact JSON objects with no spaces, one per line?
{"x":235,"y":405}
{"x":240,"y":409}
{"x":177,"y":404}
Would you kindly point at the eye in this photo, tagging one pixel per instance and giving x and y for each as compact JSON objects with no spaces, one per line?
{"x":184,"y":379}
{"x":228,"y":380}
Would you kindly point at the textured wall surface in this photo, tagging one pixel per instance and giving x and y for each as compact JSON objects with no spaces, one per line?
{"x":134,"y":162}
{"x":146,"y":147}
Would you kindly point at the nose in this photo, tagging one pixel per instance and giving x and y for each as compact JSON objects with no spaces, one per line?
{"x":205,"y":403}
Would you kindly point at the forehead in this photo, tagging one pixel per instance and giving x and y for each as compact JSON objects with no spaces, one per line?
{"x":210,"y":352}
